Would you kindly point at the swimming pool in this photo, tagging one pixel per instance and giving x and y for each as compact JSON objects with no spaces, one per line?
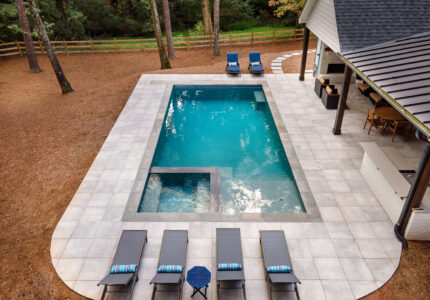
{"x":230,"y":128}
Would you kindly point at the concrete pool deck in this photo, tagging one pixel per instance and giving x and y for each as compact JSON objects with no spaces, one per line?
{"x":348,"y":254}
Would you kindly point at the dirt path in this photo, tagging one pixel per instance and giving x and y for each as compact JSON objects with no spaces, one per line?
{"x":48,"y":141}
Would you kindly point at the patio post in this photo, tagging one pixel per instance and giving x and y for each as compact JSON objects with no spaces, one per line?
{"x":342,"y":101}
{"x":304,"y":53}
{"x":415,"y":195}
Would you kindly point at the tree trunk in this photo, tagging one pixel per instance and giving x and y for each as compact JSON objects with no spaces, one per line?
{"x":207,"y":20}
{"x":26,"y":32}
{"x":62,"y":80}
{"x":168,"y":29}
{"x":216,"y":28}
{"x":164,"y":60}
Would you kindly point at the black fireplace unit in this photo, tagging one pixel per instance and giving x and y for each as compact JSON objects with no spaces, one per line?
{"x":335,"y":68}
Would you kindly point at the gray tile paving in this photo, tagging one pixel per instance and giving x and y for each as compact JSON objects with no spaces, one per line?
{"x":337,"y":289}
{"x":347,"y":253}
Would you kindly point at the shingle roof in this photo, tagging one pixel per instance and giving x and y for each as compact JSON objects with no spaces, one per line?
{"x":362,"y":23}
{"x":401,"y":69}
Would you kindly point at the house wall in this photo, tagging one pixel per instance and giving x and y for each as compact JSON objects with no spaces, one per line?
{"x":325,"y":57}
{"x":391,"y":190}
{"x":322,"y":22}
{"x":419,"y":223}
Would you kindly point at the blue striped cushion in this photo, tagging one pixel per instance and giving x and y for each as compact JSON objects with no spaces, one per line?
{"x":229,"y":267}
{"x":116,"y":269}
{"x":170,"y":269}
{"x":278,"y":269}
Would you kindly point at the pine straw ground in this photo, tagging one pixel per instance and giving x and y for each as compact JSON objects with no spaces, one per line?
{"x":48,"y":141}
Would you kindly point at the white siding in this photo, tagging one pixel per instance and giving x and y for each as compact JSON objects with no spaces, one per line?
{"x":322,"y":22}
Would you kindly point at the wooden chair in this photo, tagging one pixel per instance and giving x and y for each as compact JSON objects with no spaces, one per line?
{"x":373,"y":120}
{"x":394,"y":126}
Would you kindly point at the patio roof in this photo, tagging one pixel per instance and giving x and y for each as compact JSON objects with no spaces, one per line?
{"x":400,"y":72}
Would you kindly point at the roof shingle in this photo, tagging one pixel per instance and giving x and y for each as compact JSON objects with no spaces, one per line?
{"x":363,"y":23}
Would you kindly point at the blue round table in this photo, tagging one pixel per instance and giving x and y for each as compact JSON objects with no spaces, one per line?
{"x":199,"y":277}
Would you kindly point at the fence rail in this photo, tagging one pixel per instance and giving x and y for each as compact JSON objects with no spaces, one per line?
{"x":117,"y":45}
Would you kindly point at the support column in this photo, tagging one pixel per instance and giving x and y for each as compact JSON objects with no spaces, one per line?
{"x":342,"y":101}
{"x":417,"y":190}
{"x":304,"y":53}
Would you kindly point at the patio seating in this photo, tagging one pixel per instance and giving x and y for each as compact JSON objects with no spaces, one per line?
{"x":330,"y":97}
{"x":229,"y":251}
{"x":376,"y":99}
{"x":364,"y":88}
{"x":275,"y":253}
{"x":373,"y":120}
{"x":255,"y":64}
{"x":173,"y":253}
{"x":320,"y":84}
{"x":394,"y":126}
{"x":232,"y":66}
{"x":128,"y":252}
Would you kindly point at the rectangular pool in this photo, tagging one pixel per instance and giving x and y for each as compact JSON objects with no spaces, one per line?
{"x":230,"y":128}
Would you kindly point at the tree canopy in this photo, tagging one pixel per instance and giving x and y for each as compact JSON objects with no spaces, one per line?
{"x":83,"y":19}
{"x":284,"y":6}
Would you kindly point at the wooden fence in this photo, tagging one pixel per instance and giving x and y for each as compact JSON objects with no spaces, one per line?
{"x":92,"y":46}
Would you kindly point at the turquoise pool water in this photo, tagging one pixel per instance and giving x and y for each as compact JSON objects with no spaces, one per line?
{"x":230,"y":127}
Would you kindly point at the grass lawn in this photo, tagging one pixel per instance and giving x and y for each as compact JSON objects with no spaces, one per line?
{"x":185,"y":33}
{"x":185,"y":39}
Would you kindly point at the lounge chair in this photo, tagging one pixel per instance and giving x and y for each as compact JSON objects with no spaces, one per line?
{"x":275,"y":252}
{"x":232,"y":66}
{"x":229,"y":251}
{"x":173,"y":252}
{"x":128,"y":252}
{"x":255,"y":64}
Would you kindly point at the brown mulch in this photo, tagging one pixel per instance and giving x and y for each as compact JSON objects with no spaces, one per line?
{"x":412,"y":278}
{"x":48,"y":141}
{"x":292,"y":64}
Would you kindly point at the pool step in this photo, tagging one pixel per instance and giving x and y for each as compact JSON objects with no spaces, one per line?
{"x":259,"y":96}
{"x":152,"y":194}
{"x":203,"y":195}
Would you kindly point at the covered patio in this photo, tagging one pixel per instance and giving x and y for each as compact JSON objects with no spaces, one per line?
{"x":395,"y":71}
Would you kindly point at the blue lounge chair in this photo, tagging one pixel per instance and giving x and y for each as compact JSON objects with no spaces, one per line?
{"x":255,"y":64}
{"x":233,"y":63}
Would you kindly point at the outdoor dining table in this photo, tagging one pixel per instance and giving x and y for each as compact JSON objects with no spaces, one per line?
{"x":389,"y":114}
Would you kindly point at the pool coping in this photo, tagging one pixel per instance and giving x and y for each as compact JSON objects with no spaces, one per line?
{"x":131,"y":213}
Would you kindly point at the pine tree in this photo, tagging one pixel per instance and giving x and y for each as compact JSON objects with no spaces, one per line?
{"x":216,"y":28}
{"x":168,"y":29}
{"x":207,"y":20}
{"x":164,"y":60}
{"x":62,"y":80}
{"x":28,"y":40}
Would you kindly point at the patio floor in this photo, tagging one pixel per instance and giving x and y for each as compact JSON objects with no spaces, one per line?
{"x":349,"y":254}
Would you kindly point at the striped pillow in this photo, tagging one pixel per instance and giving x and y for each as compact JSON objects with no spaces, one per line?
{"x":170,"y":269}
{"x":117,"y":269}
{"x":229,"y":267}
{"x":278,"y":269}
